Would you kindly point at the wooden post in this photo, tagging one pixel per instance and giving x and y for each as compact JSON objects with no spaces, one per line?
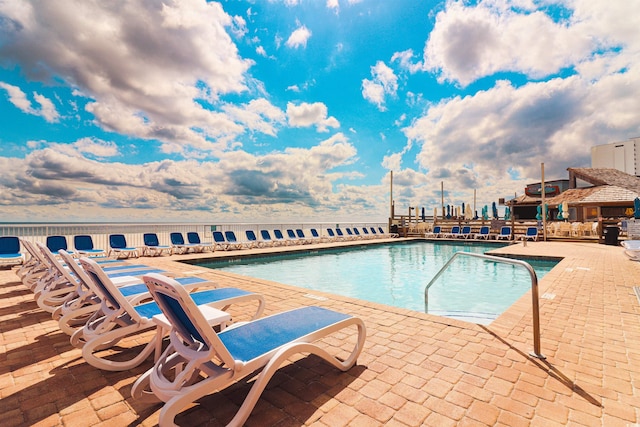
{"x":544,"y":211}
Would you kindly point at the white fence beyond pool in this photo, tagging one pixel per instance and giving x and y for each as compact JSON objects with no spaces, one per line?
{"x":133,"y":232}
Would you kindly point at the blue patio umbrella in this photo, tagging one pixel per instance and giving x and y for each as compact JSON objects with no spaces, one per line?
{"x":636,"y":208}
{"x":448,"y":211}
{"x":462,"y":208}
{"x":423,"y":215}
{"x":494,"y":208}
{"x":476,"y":215}
{"x":507,"y":213}
{"x":485,"y":212}
{"x":560,"y":216}
{"x":539,"y":214}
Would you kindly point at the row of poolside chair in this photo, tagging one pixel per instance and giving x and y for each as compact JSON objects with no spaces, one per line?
{"x":108,"y":307}
{"x":10,"y":252}
{"x":484,"y":233}
{"x":227,"y":240}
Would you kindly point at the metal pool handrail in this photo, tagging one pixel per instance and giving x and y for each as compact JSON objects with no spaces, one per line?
{"x":534,"y":292}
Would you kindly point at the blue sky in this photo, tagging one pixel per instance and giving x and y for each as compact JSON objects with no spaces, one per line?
{"x":268,"y":111}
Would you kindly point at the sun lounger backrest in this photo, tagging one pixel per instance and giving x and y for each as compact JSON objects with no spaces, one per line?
{"x":117,"y":241}
{"x":108,"y":290}
{"x":230,"y":236}
{"x":176,"y":238}
{"x":55,"y":243}
{"x":218,"y":237}
{"x":330,"y":232}
{"x":83,"y":243}
{"x":9,"y":245}
{"x":314,"y":232}
{"x":186,"y":319}
{"x":193,"y":237}
{"x":251,"y":236}
{"x":265,"y":234}
{"x":291,"y":234}
{"x":278,"y":234}
{"x":91,"y":268}
{"x":150,"y":239}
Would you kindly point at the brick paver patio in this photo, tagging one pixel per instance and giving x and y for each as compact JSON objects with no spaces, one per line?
{"x":416,"y":369}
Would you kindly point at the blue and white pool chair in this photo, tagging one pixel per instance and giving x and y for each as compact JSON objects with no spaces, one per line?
{"x":83,"y":245}
{"x":233,"y":241}
{"x":118,"y":246}
{"x":266,"y":240}
{"x":10,"y":254}
{"x":119,"y":319}
{"x":316,"y":237}
{"x":387,"y":235}
{"x":252,"y":240}
{"x":341,"y":236}
{"x":179,"y":246}
{"x":194,"y":238}
{"x":454,"y":233}
{"x":55,"y":243}
{"x":435,"y":232}
{"x":292,"y":237}
{"x":531,"y":234}
{"x":331,"y":235}
{"x":74,"y":314}
{"x":484,"y":233}
{"x":465,"y":233}
{"x":152,"y":247}
{"x":279,"y":237}
{"x":58,"y":286}
{"x":505,"y":233}
{"x":200,"y":361}
{"x":302,"y":237}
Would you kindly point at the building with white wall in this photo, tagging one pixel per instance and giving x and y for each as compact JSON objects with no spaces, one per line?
{"x":623,"y":156}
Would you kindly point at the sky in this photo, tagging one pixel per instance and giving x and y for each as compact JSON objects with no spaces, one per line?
{"x":300,"y":110}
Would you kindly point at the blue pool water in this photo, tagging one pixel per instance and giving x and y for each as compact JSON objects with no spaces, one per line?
{"x":396,"y":274}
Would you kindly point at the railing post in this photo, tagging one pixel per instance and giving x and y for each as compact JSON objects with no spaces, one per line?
{"x":534,"y":292}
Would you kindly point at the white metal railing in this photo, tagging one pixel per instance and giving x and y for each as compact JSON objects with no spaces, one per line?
{"x":133,"y":232}
{"x":534,"y":291}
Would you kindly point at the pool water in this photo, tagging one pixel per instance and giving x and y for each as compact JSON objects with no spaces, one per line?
{"x":396,"y":274}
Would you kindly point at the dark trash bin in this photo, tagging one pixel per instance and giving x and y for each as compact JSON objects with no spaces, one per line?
{"x":393,"y":229}
{"x":611,"y":233}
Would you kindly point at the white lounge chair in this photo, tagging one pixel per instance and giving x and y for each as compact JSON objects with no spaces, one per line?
{"x":83,"y":245}
{"x":484,"y":233}
{"x":10,"y":254}
{"x":194,"y":239}
{"x":199,"y":361}
{"x":505,"y":233}
{"x":152,"y":246}
{"x":75,"y":313}
{"x":118,"y":318}
{"x":181,"y":247}
{"x":118,"y":246}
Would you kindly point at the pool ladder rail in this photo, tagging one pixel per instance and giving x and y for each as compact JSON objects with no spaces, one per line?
{"x":534,"y":291}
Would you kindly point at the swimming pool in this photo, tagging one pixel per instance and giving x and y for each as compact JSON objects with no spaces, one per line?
{"x":396,"y":274}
